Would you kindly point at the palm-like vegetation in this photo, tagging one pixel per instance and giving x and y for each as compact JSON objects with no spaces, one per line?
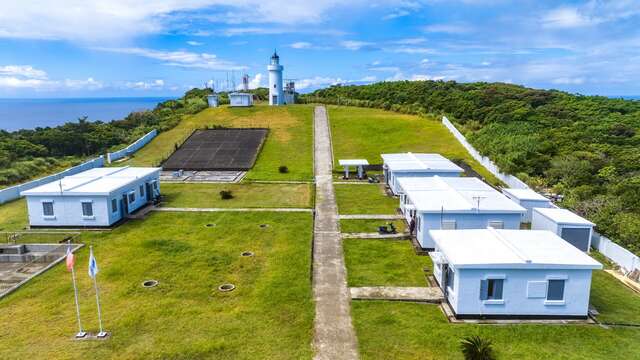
{"x":477,"y":348}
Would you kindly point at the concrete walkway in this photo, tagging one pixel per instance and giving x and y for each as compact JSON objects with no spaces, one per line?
{"x":230,"y":209}
{"x":416,"y":294}
{"x":334,"y":336}
{"x":371,"y":217}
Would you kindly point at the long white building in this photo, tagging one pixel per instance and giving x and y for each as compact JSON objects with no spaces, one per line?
{"x":98,"y":197}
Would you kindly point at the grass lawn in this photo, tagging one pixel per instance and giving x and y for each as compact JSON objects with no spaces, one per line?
{"x":289,"y":142}
{"x":616,"y":303}
{"x":366,"y":133}
{"x":394,"y":330}
{"x":245,"y":195}
{"x":384,"y":263}
{"x":268,"y":316}
{"x":13,"y":215}
{"x":369,"y":226}
{"x":364,"y":199}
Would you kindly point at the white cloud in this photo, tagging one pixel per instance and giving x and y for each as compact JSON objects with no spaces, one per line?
{"x":184,"y":59}
{"x":485,"y":63}
{"x":143,"y":85}
{"x":355,"y":45}
{"x":384,"y":68}
{"x":565,"y":17}
{"x":256,"y":81}
{"x":318,"y":81}
{"x":412,"y":50}
{"x":301,"y":45}
{"x":26,"y":71}
{"x":411,"y":41}
{"x":396,"y":14}
{"x":569,"y":81}
{"x":88,"y":84}
{"x":448,"y":28}
{"x":195,"y":43}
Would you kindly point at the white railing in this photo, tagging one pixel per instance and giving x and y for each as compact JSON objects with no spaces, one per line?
{"x":510,"y":180}
{"x":137,"y":145}
{"x":13,"y":192}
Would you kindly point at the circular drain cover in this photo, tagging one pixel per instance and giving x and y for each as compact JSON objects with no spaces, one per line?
{"x":150,"y":283}
{"x":246,"y":254}
{"x":226,"y":287}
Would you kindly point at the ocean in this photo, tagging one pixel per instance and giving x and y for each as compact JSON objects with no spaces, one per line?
{"x":18,"y":114}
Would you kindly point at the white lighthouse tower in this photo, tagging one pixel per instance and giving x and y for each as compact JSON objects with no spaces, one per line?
{"x":276,"y":95}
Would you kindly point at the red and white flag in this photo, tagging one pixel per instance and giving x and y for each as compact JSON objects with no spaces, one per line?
{"x":71,"y":259}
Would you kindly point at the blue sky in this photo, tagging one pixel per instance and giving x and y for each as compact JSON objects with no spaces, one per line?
{"x":71,"y":48}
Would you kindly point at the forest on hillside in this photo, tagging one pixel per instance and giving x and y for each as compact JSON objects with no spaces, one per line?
{"x":25,"y":154}
{"x":586,"y":148}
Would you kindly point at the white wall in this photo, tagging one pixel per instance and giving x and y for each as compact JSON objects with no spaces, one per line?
{"x":137,"y":145}
{"x":431,"y":221}
{"x":627,"y":260}
{"x":465,"y":298}
{"x":510,"y":180}
{"x":529,"y":205}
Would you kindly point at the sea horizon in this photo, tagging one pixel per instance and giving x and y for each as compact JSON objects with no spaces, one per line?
{"x":30,"y":113}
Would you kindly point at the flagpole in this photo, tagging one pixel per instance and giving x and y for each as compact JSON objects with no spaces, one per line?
{"x":102,"y":333}
{"x":81,"y":333}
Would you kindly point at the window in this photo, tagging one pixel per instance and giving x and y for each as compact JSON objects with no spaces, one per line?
{"x":114,"y":205}
{"x":448,"y":225}
{"x":47,"y":208}
{"x":141,"y":190}
{"x":491,"y":289}
{"x":555,"y":290}
{"x":87,"y":208}
{"x":496,"y":224}
{"x":132,"y":197}
{"x":450,"y":277}
{"x":155,"y":185}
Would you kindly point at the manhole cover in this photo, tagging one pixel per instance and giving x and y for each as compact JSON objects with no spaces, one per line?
{"x":226,"y":287}
{"x":264,"y":226}
{"x":149,"y":283}
{"x":247,"y":254}
{"x":210,"y":225}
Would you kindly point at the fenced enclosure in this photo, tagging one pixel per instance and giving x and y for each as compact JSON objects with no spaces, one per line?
{"x":25,"y":254}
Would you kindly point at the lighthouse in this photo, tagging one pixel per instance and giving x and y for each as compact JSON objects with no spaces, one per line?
{"x":276,"y":94}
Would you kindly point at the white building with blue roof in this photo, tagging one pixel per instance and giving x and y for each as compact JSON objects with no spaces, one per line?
{"x":98,"y":197}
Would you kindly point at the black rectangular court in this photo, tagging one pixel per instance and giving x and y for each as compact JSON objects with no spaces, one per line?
{"x":218,"y":149}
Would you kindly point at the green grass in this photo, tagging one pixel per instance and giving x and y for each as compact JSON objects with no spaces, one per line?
{"x":366,"y":133}
{"x":289,"y":142}
{"x":384,"y":263}
{"x":394,"y":330}
{"x":616,"y":302}
{"x":13,"y":215}
{"x":245,"y":195}
{"x":364,"y":199}
{"x":369,"y":226}
{"x":268,"y":316}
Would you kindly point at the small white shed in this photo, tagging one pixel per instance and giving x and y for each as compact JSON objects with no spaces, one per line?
{"x":97,"y":197}
{"x":490,"y":273}
{"x":401,"y":165}
{"x":238,"y":99}
{"x":573,"y":228}
{"x":528,"y":199}
{"x":359,"y":164}
{"x":212,"y":100}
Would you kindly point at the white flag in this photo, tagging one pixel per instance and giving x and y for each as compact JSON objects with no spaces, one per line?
{"x":93,"y":265}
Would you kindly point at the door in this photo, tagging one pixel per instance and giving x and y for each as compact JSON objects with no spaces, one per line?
{"x":578,"y":237}
{"x":274,"y":99}
{"x":149,"y":192}
{"x":443,"y":279}
{"x":124,"y":205}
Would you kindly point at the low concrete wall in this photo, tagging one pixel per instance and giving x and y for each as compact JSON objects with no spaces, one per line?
{"x":616,"y":253}
{"x":508,"y":179}
{"x":137,"y":145}
{"x":13,"y":192}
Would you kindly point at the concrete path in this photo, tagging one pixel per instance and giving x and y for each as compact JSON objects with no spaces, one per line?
{"x":417,"y":294}
{"x":334,"y":336}
{"x":230,"y":209}
{"x":371,"y":217}
{"x":375,"y":235}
